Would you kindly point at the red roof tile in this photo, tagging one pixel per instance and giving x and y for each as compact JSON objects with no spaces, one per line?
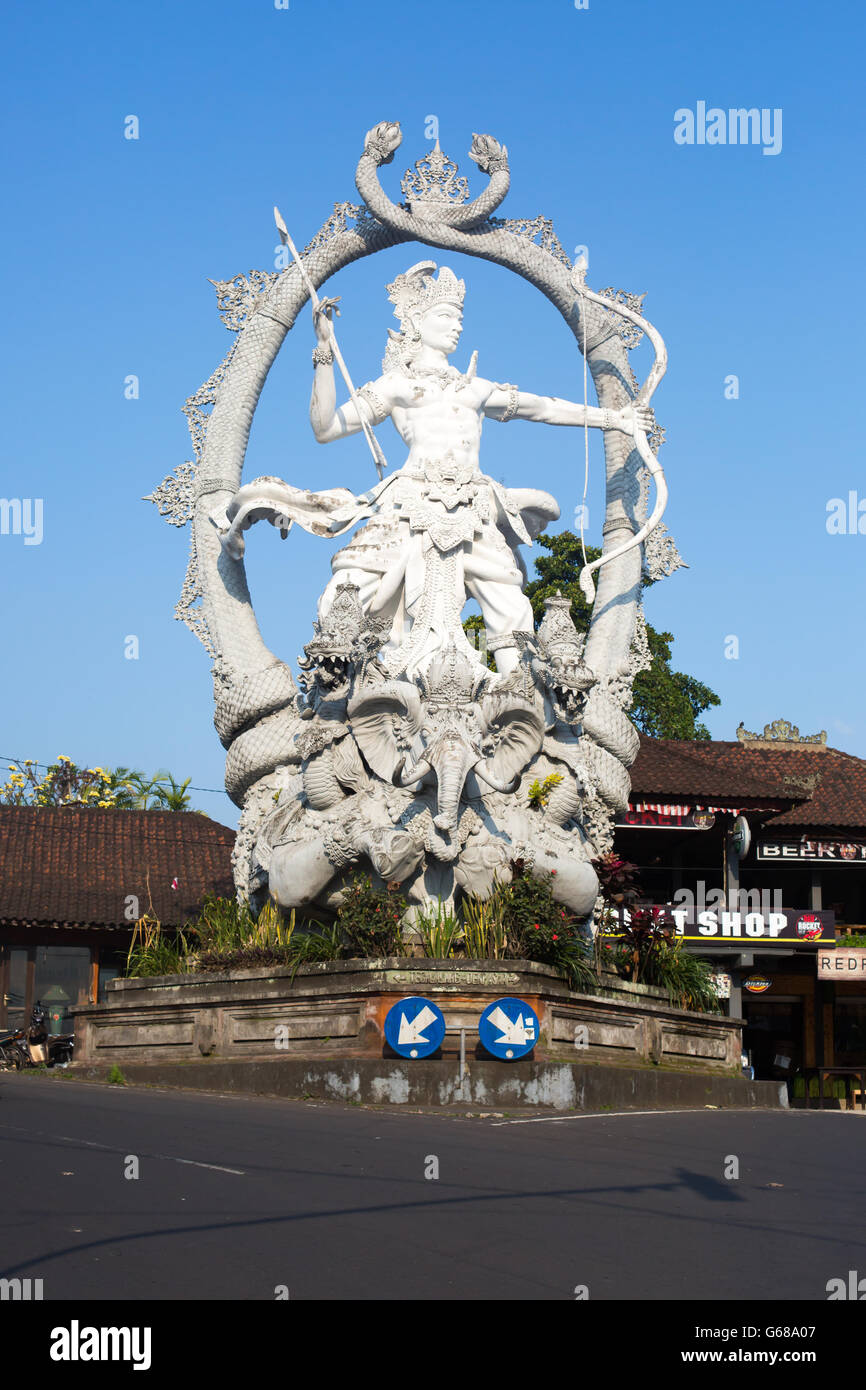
{"x":812,"y":786}
{"x":80,"y":866}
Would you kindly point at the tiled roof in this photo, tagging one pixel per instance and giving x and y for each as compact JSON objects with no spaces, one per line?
{"x":811,"y":785}
{"x":76,"y":866}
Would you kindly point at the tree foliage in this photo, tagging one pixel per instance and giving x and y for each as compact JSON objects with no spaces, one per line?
{"x":475,"y":630}
{"x":66,"y":784}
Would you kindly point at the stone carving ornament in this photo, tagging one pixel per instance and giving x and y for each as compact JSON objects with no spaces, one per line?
{"x":397,"y":749}
{"x":781,"y":731}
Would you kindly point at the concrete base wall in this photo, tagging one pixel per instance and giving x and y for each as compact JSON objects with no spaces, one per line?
{"x":436,"y":1083}
{"x":336,"y":1010}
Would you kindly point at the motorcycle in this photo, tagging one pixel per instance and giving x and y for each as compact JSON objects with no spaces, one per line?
{"x":34,"y":1047}
{"x":60,"y":1047}
{"x":10,"y":1052}
{"x":37,"y":1037}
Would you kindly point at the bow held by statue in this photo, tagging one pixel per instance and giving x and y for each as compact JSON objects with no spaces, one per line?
{"x":643,"y":397}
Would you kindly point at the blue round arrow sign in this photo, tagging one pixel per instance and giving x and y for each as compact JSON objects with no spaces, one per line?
{"x":508,"y":1029}
{"x":414,"y":1027}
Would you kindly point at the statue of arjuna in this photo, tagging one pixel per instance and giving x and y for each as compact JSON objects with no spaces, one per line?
{"x":438,"y":531}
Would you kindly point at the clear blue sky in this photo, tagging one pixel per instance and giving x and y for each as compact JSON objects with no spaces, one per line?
{"x":752,"y":263}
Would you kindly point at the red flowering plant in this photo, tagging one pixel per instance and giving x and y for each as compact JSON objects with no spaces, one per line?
{"x":540,"y":928}
{"x":371,"y":918}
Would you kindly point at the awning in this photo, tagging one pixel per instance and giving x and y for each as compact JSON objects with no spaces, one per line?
{"x":665,"y":808}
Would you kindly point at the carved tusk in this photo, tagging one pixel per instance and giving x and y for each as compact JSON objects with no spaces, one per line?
{"x":415,"y":773}
{"x":497,"y":786}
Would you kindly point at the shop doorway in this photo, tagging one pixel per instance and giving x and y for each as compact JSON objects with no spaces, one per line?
{"x":850,"y":1031}
{"x":773,"y":1037}
{"x":57,"y":977}
{"x":62,"y":980}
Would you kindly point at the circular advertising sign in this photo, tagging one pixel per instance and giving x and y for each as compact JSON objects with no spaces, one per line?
{"x":757,"y":984}
{"x":809,"y":926}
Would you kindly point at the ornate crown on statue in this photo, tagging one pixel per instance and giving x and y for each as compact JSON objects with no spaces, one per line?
{"x":419,"y":289}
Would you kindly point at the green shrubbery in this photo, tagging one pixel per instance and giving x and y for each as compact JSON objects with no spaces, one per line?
{"x":370,"y":918}
{"x":440,"y":931}
{"x":534,"y":926}
{"x":687,"y":980}
{"x":228,"y":935}
{"x":520,"y":920}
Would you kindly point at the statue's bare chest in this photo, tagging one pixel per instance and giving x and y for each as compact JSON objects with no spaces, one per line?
{"x":428,"y":411}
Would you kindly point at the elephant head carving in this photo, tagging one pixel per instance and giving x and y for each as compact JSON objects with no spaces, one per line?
{"x":444,"y":730}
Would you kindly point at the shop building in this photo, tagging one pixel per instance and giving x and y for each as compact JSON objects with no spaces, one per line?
{"x":73,"y":882}
{"x":759,"y":846}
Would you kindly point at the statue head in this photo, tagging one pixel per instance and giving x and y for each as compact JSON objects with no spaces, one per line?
{"x":438,"y":327}
{"x":430,"y":310}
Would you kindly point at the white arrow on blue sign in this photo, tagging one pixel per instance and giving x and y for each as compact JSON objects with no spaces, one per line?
{"x":414,"y":1027}
{"x":508,"y":1029}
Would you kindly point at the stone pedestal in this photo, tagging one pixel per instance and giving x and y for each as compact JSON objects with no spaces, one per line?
{"x":336,"y":1011}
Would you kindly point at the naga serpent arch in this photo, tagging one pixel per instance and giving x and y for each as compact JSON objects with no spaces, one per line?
{"x":255,"y":693}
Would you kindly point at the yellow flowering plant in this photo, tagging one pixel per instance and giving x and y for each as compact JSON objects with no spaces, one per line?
{"x":66,"y":784}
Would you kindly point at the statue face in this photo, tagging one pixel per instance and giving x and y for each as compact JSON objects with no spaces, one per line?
{"x":441,"y":326}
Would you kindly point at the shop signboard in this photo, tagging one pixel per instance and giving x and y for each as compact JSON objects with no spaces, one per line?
{"x":807,"y":851}
{"x":842,"y":964}
{"x":675,"y":819}
{"x":718,"y":927}
{"x":757,"y":984}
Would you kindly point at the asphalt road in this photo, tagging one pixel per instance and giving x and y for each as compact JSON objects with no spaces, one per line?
{"x":238,"y":1196}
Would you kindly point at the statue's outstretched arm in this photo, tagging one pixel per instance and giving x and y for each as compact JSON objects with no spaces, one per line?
{"x":507,"y":403}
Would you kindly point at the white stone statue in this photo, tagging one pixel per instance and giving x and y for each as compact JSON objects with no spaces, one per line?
{"x":438,"y":531}
{"x":397,"y":750}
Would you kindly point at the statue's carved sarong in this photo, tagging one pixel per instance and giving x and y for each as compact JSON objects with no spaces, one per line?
{"x":433,"y":539}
